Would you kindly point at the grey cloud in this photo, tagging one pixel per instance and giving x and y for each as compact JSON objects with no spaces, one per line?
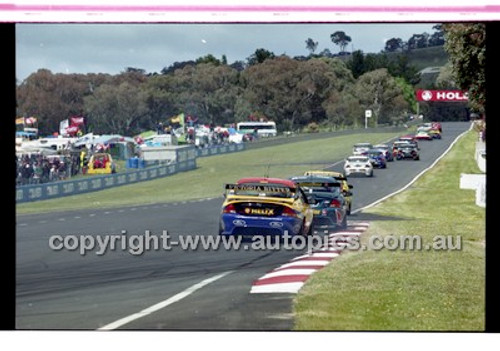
{"x":109,"y":48}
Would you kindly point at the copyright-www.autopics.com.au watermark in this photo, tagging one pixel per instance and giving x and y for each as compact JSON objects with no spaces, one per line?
{"x":138,"y":244}
{"x":405,"y":243}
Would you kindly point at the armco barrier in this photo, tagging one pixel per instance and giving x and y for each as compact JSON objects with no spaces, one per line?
{"x":219,"y":149}
{"x":186,"y":160}
{"x":29,"y":193}
{"x":265,"y":142}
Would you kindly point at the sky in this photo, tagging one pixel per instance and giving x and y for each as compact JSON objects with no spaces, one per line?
{"x":111,"y":48}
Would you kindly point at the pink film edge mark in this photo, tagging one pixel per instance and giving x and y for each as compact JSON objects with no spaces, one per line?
{"x":221,"y":8}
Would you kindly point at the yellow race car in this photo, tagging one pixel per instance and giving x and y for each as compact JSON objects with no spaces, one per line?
{"x":265,"y":206}
{"x":101,"y":163}
{"x":346,"y":187}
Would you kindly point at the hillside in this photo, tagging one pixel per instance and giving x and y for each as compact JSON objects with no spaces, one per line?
{"x":434,"y":56}
{"x":426,"y":57}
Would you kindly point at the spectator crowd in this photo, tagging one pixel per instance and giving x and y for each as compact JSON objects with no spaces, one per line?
{"x":37,"y":168}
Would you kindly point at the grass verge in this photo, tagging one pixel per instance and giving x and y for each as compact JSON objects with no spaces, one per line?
{"x":207,"y":180}
{"x":408,"y":290}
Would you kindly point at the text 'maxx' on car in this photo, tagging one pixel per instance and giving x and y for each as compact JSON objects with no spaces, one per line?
{"x":328,"y":204}
{"x":265,"y":206}
{"x":358,"y":165}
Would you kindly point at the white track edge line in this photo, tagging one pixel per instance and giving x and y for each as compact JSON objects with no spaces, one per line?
{"x":162,"y":304}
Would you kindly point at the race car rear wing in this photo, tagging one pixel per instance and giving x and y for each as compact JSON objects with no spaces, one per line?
{"x":320,"y":184}
{"x":258,"y":188}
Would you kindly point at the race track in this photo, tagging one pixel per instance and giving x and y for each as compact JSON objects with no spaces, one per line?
{"x":183,"y":289}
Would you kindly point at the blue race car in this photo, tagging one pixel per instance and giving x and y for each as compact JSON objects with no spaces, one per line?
{"x":387,"y":150}
{"x":377,"y":158}
{"x":329,"y":206}
{"x":265,"y":206}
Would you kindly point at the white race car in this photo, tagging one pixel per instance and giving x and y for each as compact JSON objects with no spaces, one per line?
{"x":359,"y":148}
{"x":358,"y":165}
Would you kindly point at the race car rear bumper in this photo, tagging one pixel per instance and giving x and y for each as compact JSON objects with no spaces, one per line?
{"x":234,"y":224}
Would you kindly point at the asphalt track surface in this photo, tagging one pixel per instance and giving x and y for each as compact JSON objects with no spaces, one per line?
{"x":65,"y":290}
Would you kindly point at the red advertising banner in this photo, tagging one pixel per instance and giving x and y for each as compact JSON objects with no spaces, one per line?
{"x":442,"y":95}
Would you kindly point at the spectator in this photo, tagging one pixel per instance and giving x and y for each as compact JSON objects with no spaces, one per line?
{"x":159,"y":128}
{"x":27,"y":173}
{"x":37,"y":173}
{"x":45,"y":171}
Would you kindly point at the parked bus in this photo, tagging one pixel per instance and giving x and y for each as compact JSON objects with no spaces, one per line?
{"x":264,"y":129}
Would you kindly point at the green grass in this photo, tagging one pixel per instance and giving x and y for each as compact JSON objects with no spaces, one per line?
{"x":212,"y":172}
{"x":404,"y":290}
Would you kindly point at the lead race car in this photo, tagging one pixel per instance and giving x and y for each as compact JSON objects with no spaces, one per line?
{"x":329,"y":207}
{"x":265,"y":206}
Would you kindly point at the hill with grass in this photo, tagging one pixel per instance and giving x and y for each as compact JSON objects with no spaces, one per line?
{"x":434,"y":56}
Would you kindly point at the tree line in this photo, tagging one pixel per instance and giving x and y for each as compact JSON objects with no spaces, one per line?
{"x":417,"y":41}
{"x":329,"y":92}
{"x":293,"y":93}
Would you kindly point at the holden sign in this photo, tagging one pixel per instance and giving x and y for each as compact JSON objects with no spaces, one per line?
{"x":442,"y":95}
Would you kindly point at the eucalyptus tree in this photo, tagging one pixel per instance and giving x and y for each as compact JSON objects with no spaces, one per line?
{"x":341,"y":39}
{"x":466,"y":47}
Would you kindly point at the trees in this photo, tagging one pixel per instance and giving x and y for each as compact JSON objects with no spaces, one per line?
{"x":288,"y":91}
{"x":207,"y":91}
{"x":341,"y":39}
{"x":311,"y":45}
{"x":294,"y":92}
{"x":116,"y":109}
{"x":393,"y":45}
{"x":378,"y":91}
{"x":259,"y":56}
{"x":357,"y":63}
{"x":418,"y":41}
{"x":466,"y":46}
{"x":52,"y":98}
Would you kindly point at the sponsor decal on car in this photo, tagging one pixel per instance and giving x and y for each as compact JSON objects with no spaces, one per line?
{"x":260,"y":211}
